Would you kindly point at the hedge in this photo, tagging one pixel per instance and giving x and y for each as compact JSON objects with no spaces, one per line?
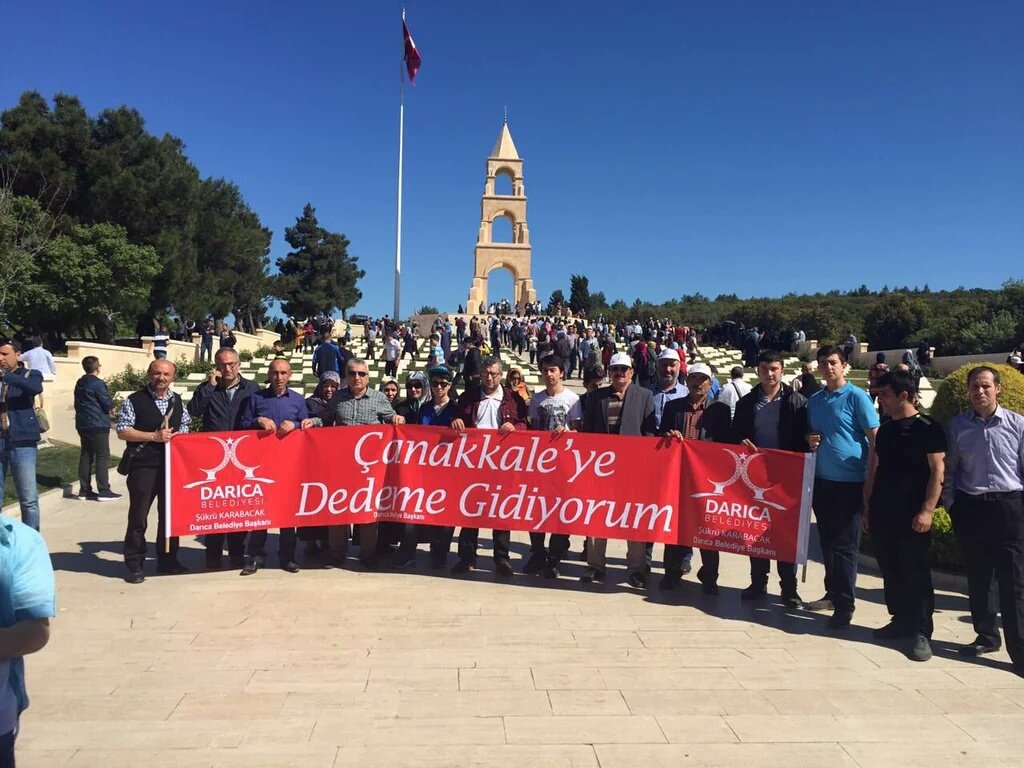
{"x":952,"y":399}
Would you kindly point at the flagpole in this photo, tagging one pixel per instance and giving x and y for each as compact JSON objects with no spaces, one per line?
{"x":401,"y":141}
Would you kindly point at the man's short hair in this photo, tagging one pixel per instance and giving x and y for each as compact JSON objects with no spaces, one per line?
{"x":737,"y":371}
{"x":828,"y":350}
{"x":355,"y":361}
{"x":490,"y":360}
{"x":11,"y":343}
{"x":90,"y":364}
{"x":978,"y":369}
{"x":225,"y":351}
{"x":898,"y":381}
{"x":594,"y":373}
{"x":769,"y":356}
{"x":552,"y":361}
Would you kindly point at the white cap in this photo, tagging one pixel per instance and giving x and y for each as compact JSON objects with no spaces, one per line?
{"x":698,"y":368}
{"x":620,"y":358}
{"x":669,"y":354}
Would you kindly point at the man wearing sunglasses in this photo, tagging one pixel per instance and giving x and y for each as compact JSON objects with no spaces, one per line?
{"x":359,"y":406}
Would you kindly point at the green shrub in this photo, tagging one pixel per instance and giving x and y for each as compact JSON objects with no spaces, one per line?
{"x":186,"y":366}
{"x":245,"y":356}
{"x":262,"y":352}
{"x":129,"y":380}
{"x":951,"y":397}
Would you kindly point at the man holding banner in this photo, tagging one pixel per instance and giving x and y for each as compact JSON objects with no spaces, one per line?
{"x":622,"y":408}
{"x":279,"y":410}
{"x":695,"y":418}
{"x":488,"y":405}
{"x":771,"y":415}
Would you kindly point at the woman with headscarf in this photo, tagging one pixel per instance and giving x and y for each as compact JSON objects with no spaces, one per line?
{"x":514,"y":381}
{"x":390,"y":389}
{"x":416,"y":394}
{"x":320,"y":410}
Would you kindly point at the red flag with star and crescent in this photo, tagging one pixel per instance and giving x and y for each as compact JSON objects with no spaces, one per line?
{"x":412,"y":55}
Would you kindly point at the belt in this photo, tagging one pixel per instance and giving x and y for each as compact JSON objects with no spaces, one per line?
{"x":994,"y":495}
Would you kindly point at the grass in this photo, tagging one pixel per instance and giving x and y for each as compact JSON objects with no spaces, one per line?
{"x":55,"y":467}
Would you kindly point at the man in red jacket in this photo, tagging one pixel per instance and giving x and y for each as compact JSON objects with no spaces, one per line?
{"x":488,"y":405}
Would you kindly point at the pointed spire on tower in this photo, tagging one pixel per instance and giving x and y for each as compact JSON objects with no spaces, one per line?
{"x":505,"y":148}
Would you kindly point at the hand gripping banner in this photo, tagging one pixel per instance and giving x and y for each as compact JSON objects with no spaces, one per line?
{"x":709,"y":495}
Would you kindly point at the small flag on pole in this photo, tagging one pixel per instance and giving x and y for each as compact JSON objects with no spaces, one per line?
{"x":412,"y":55}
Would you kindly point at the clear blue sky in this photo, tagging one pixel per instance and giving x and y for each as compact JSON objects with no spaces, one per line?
{"x":670,"y":147}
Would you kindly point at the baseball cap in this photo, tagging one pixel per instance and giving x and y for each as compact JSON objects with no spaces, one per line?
{"x":441,"y":372}
{"x":620,"y":358}
{"x":698,"y":368}
{"x":669,"y":354}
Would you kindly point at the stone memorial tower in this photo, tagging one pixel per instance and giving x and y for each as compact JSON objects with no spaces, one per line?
{"x":489,"y":255}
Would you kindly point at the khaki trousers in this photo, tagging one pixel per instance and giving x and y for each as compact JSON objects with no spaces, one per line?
{"x":636,"y":554}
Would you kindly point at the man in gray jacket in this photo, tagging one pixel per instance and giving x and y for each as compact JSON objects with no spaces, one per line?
{"x":92,"y":420}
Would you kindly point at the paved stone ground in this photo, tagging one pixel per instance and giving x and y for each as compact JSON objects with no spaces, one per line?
{"x":348,"y":668}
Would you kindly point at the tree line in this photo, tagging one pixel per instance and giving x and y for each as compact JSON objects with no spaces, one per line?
{"x":963,"y":321}
{"x":106,"y":228}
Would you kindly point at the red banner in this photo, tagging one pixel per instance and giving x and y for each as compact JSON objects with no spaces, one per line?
{"x":639,"y":488}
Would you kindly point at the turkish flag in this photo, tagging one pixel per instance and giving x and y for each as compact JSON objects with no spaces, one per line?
{"x":412,"y":55}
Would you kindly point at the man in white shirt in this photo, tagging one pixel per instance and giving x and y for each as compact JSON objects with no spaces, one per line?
{"x":734,"y":390}
{"x":39,"y":359}
{"x":552,"y":410}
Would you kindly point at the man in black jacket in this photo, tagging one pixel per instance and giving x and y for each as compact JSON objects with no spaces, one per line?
{"x":771,"y":415}
{"x":218,"y":401}
{"x":92,"y":420}
{"x":694,"y":418}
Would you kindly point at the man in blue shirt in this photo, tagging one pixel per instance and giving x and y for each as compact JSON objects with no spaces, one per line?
{"x":843,"y":424}
{"x":26,"y":606}
{"x":984,"y":493}
{"x":274,"y":409}
{"x":19,"y":429}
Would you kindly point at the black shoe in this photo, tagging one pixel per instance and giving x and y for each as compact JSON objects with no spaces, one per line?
{"x":135,"y":577}
{"x":536,"y":563}
{"x":504,"y":569}
{"x":291,"y":566}
{"x":685,"y":568}
{"x":637,"y":581}
{"x":890,"y":631}
{"x":820,"y":605}
{"x":88,"y":496}
{"x":669,"y":582}
{"x":840,"y":620}
{"x":551,"y":571}
{"x":920,"y":649}
{"x":171,"y":568}
{"x":592,"y":575}
{"x":106,"y":496}
{"x":791,"y":600}
{"x":978,"y":648}
{"x":754,"y":592}
{"x":709,"y":587}
{"x":250,"y":567}
{"x":462,"y":567}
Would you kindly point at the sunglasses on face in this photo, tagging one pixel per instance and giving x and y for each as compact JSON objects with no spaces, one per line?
{"x":414,"y":385}
{"x":358,"y":374}
{"x":442,"y":384}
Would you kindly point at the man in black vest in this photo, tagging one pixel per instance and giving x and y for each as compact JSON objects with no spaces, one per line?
{"x":147,"y":420}
{"x":219,"y":401}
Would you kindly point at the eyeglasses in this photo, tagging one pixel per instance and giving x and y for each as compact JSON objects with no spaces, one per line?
{"x":491,"y":374}
{"x":358,"y":374}
{"x":619,"y":368}
{"x":441,"y":384}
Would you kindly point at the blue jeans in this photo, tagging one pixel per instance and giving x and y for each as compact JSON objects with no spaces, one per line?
{"x":21,"y":460}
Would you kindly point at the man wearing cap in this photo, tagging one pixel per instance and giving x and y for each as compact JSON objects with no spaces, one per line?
{"x":555,"y":409}
{"x":694,"y":417}
{"x":439,"y":411}
{"x":667,"y":388}
{"x":488,"y":405}
{"x":734,"y":390}
{"x":622,"y":408}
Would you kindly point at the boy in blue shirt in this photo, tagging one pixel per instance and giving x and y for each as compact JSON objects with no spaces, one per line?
{"x":843,"y":424}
